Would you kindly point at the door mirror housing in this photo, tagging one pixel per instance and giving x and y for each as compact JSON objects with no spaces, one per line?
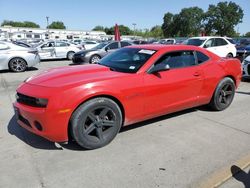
{"x":107,"y":48}
{"x":159,"y":68}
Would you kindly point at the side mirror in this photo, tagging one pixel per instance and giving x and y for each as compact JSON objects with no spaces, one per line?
{"x":107,"y":49}
{"x":205,"y":46}
{"x":158,"y":68}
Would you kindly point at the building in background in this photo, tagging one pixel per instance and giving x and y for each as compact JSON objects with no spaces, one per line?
{"x":20,"y":33}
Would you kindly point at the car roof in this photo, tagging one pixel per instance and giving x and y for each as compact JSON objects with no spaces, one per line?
{"x":206,"y":37}
{"x":165,"y":47}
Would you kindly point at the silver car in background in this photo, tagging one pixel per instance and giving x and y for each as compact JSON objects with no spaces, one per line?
{"x":17,"y":58}
{"x":57,"y":50}
{"x":94,"y":55}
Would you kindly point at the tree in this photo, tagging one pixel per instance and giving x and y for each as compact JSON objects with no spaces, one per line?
{"x":190,"y":21}
{"x":167,"y":25}
{"x":156,"y":32}
{"x":187,"y":23}
{"x":20,"y":24}
{"x":247,"y":34}
{"x":57,"y":25}
{"x":222,"y":18}
{"x":98,"y":28}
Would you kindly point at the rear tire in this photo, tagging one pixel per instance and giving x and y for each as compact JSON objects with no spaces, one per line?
{"x":70,"y":55}
{"x":223,"y":95}
{"x":96,"y":122}
{"x":17,"y":64}
{"x":229,"y":55}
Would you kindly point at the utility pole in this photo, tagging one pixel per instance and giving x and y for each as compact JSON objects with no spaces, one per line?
{"x":47,"y":18}
{"x":134,"y":24}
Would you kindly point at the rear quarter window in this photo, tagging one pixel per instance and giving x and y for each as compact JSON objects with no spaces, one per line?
{"x":201,"y":57}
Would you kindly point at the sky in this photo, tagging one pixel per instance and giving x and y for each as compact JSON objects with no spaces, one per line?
{"x":86,"y":14}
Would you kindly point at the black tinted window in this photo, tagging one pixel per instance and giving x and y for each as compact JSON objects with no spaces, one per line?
{"x":178,"y":59}
{"x":201,"y":57}
{"x":113,"y":45}
{"x":125,"y":44}
{"x":128,"y":60}
{"x":195,"y":42}
{"x":220,"y":42}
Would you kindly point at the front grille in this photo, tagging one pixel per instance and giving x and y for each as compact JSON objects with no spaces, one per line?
{"x":25,"y":121}
{"x":77,"y":59}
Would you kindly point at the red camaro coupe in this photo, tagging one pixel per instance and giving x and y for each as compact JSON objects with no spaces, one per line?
{"x":92,"y":102}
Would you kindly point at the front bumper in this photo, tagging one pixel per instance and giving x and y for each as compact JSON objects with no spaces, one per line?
{"x":77,"y":59}
{"x":50,"y":122}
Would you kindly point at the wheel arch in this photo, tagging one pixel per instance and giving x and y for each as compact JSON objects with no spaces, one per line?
{"x":116,"y":100}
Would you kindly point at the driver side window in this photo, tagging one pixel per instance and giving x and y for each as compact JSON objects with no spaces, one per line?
{"x":178,"y":59}
{"x":113,"y":46}
{"x":209,"y":43}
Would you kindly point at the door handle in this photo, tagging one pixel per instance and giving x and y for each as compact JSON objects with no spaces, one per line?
{"x":197,"y":74}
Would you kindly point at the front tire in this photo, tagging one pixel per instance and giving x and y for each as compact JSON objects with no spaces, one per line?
{"x":96,"y":122}
{"x":223,"y":95}
{"x":94,"y":59}
{"x":17,"y":64}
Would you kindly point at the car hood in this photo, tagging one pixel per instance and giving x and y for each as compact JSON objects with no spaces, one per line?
{"x":71,"y":75}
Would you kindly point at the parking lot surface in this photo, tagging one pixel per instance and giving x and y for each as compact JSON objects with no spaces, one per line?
{"x":193,"y":148}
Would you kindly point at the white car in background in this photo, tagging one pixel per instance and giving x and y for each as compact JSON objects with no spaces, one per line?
{"x":220,"y":46}
{"x":17,"y":58}
{"x":57,"y":50}
{"x":246,"y":68}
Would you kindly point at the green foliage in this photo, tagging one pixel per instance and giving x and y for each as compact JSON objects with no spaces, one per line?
{"x":187,"y":23}
{"x":98,"y":28}
{"x":247,"y":34}
{"x":222,"y":18}
{"x":124,"y":30}
{"x":57,"y":25}
{"x":20,"y":24}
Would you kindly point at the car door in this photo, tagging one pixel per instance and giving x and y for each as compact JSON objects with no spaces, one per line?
{"x":61,"y":49}
{"x":47,"y":50}
{"x":176,"y":88}
{"x":218,"y":46}
{"x":222,"y":47}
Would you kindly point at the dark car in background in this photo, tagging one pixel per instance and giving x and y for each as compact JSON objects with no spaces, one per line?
{"x":243,"y":48}
{"x":94,"y":55}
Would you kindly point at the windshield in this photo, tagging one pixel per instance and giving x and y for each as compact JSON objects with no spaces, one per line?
{"x":194,"y":42}
{"x":100,"y":46}
{"x":128,"y":60}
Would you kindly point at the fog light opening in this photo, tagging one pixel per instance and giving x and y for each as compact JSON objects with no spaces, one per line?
{"x":38,"y":126}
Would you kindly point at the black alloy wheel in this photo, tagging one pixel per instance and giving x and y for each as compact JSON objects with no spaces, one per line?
{"x":96,"y":123}
{"x":223,"y":95}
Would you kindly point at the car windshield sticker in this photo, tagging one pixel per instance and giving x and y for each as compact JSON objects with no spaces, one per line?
{"x":132,"y":67}
{"x":149,"y":52}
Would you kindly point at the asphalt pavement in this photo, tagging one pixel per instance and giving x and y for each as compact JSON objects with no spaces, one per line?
{"x":189,"y":149}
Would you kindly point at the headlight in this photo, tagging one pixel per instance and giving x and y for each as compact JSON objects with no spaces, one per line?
{"x":41,"y":102}
{"x":32,"y":101}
